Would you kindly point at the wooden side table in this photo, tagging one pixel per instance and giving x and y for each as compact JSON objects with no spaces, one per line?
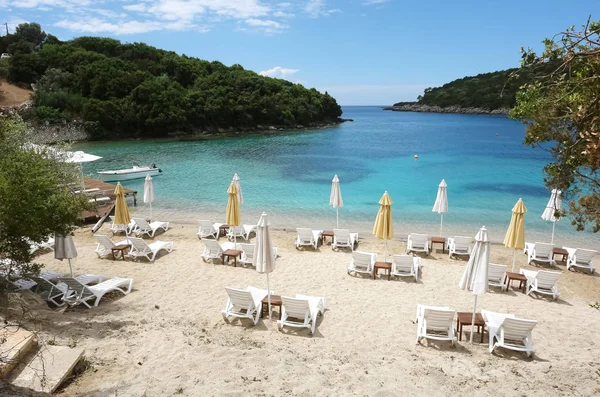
{"x":120,"y":249}
{"x":439,"y":240}
{"x":228,"y":254}
{"x":223,"y":230}
{"x":326,"y":233}
{"x":465,"y":318}
{"x":511,"y":276}
{"x":560,"y":251}
{"x":275,"y":301}
{"x":382,"y":265}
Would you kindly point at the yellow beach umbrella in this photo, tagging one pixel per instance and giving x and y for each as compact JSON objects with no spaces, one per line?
{"x":515,"y":235}
{"x":383,"y":228}
{"x":122,"y":216}
{"x":233,"y":208}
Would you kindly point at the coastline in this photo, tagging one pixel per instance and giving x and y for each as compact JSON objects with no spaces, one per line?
{"x":415,"y":107}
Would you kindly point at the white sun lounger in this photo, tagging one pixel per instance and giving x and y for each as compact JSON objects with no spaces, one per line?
{"x":214,"y":250}
{"x":539,"y":252}
{"x":509,"y":332}
{"x":304,"y":309}
{"x":244,"y":303}
{"x":437,"y":323}
{"x":417,"y":243}
{"x":542,"y":281}
{"x":406,"y":266}
{"x":143,"y":227}
{"x":26,"y":283}
{"x":139,"y":248}
{"x":79,"y":293}
{"x":54,"y":292}
{"x":497,"y":275}
{"x":247,"y":256}
{"x":242,"y":231}
{"x":307,"y":237}
{"x":459,"y":246}
{"x":117,"y":228}
{"x":208,"y":229}
{"x":342,"y":238}
{"x":581,"y":258}
{"x":48,"y":244}
{"x":105,"y":245}
{"x":362,"y":262}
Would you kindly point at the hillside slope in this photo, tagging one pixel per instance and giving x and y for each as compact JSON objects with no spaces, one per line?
{"x":12,"y":95}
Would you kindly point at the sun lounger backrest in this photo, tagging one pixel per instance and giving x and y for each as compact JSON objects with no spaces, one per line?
{"x":43,"y":286}
{"x":240,"y":297}
{"x":297,"y":308}
{"x":141,"y":223}
{"x":547,"y":280}
{"x":496,"y":272}
{"x":362,"y":259}
{"x":206,"y":227}
{"x":341,"y":235}
{"x":248,"y":250}
{"x":403,"y":263}
{"x":462,"y":243}
{"x":516,"y":328}
{"x":212,"y":245}
{"x":584,"y":256}
{"x":73,"y":285}
{"x":139,"y":245}
{"x":419,"y":240}
{"x":439,"y":319}
{"x":305,"y":235}
{"x":104,"y":241}
{"x":543,"y":250}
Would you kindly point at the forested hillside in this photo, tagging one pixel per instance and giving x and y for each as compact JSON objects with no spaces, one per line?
{"x":122,"y":90}
{"x":488,"y":91}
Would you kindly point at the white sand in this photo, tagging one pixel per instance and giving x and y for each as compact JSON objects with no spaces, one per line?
{"x":168,"y":337}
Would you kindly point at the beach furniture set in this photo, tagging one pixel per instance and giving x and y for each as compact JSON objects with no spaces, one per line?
{"x":401,"y":265}
{"x":340,"y":238}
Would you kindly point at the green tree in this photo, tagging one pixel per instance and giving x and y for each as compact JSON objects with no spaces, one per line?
{"x":562,"y":112}
{"x":35,"y":199}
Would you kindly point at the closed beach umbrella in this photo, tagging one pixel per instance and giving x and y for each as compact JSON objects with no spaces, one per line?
{"x":383,"y":228}
{"x":475,"y":276}
{"x":441,"y":203}
{"x":335,"y":199}
{"x":515,"y":235}
{"x":64,"y":248}
{"x":263,"y":252}
{"x":236,"y":181}
{"x":149,"y":193}
{"x":122,"y":216}
{"x":554,"y":205}
{"x":232,"y":215}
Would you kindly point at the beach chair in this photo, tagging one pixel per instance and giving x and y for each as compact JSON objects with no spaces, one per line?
{"x":459,"y":246}
{"x":208,"y":229}
{"x":435,"y":322}
{"x":417,"y":243}
{"x":117,"y":228}
{"x":247,"y":256}
{"x":301,"y":311}
{"x":580,"y":258}
{"x":243,"y":231}
{"x":542,"y":281}
{"x":362,"y":262}
{"x":47,"y":244}
{"x":142,"y":227}
{"x":539,"y":252}
{"x":214,"y":250}
{"x":105,"y":245}
{"x":244,"y":303}
{"x":29,"y":283}
{"x":307,"y":237}
{"x":78,"y":293}
{"x":497,"y":275}
{"x":54,"y":292}
{"x":406,"y":266}
{"x":509,"y":332}
{"x":139,"y":248}
{"x":342,"y":238}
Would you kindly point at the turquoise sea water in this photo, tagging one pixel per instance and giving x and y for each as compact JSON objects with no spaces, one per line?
{"x":288,"y":175}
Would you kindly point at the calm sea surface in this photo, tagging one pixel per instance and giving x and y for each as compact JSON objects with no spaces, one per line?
{"x":288,"y":175}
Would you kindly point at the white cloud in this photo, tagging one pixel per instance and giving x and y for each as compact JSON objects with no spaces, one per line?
{"x":283,"y":14}
{"x":140,"y":7}
{"x":371,"y":2}
{"x":317,"y":8}
{"x":279,"y":72}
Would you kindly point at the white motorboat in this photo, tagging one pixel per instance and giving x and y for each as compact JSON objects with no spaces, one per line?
{"x":130,"y":173}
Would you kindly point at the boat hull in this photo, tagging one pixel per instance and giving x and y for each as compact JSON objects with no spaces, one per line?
{"x":115,"y":176}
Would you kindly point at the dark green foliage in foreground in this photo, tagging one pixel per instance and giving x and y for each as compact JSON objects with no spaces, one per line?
{"x":135,"y":89}
{"x":490,"y":91}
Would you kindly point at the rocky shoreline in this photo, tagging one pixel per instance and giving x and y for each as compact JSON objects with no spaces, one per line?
{"x":415,"y":107}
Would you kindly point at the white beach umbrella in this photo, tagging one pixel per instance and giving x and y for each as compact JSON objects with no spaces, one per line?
{"x":335,"y":199}
{"x":554,"y":205}
{"x":475,"y":276}
{"x":149,"y":193}
{"x":64,"y":248}
{"x":263,"y":252}
{"x":236,"y":182}
{"x":441,"y":203}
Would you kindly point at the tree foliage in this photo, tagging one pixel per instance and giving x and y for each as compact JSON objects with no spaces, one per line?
{"x":35,"y":199}
{"x":135,"y":89}
{"x":562,"y":112}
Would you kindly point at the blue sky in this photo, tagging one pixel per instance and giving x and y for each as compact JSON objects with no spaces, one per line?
{"x":364,"y":52}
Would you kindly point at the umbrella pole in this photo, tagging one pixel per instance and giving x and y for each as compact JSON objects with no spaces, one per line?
{"x":553,"y":225}
{"x":385,"y":251}
{"x":150,"y":211}
{"x":514,"y":258}
{"x":441,"y":224}
{"x":70,"y":267}
{"x":337,"y":218}
{"x":473,"y":319}
{"x":269,"y":295}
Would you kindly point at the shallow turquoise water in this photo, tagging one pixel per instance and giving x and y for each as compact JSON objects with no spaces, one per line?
{"x":289,"y":174}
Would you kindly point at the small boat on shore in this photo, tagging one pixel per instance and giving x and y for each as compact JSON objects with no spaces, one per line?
{"x":130,"y":173}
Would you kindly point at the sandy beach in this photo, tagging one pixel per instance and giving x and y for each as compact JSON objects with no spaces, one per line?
{"x":168,"y":336}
